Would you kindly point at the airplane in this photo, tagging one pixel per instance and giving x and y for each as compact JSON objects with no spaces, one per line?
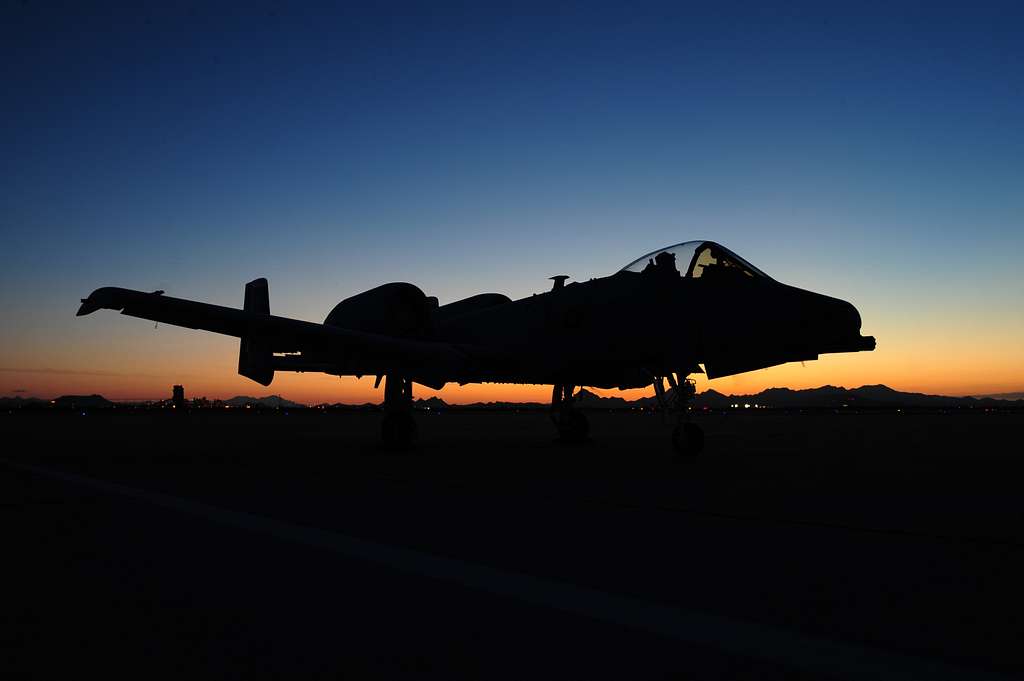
{"x":694,"y":307}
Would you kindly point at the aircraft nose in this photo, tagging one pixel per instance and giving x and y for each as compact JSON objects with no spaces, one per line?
{"x":836,"y":319}
{"x":840,"y":321}
{"x":845,"y":318}
{"x":828,"y":324}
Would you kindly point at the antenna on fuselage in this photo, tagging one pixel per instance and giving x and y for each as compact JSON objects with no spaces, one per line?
{"x":559,"y":280}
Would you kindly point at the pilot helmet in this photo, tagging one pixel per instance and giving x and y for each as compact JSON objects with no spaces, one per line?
{"x":665,"y":259}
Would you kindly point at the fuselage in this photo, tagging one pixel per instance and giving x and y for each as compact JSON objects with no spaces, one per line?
{"x":618,"y":331}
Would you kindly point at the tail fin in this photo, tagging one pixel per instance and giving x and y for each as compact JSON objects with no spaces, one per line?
{"x":255,"y":355}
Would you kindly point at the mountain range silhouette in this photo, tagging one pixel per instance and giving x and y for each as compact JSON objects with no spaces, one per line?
{"x":826,"y":396}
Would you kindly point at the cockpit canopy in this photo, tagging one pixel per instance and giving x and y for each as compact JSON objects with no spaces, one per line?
{"x":696,"y":259}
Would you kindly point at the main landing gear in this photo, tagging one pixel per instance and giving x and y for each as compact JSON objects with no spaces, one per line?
{"x":572,"y":424}
{"x":398,"y":429}
{"x":687,"y":437}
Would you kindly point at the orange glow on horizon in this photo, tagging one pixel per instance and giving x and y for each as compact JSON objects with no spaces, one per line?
{"x":842,"y":370}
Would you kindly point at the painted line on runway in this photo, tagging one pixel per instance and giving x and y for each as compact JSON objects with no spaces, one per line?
{"x":790,"y":648}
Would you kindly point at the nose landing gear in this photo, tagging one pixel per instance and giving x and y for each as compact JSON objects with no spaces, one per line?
{"x":573,"y":426}
{"x":687,"y":437}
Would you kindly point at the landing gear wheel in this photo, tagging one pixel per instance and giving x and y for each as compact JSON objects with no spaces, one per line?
{"x":573,"y":427}
{"x":687,"y":439}
{"x":398,"y":429}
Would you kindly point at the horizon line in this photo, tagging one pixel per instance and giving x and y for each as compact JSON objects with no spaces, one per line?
{"x":142,"y":400}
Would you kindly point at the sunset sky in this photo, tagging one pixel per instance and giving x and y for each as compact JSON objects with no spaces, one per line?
{"x":874,"y":153}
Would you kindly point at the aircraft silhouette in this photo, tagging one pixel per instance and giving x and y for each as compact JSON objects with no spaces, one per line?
{"x":657,"y":319}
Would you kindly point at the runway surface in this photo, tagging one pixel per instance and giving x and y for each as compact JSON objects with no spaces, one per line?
{"x":800,"y":546}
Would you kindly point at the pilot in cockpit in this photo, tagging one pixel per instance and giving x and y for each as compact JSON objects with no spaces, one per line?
{"x":721,"y":266}
{"x":663,"y":264}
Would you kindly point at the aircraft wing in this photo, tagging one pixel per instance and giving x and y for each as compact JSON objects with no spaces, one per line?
{"x":355,"y":352}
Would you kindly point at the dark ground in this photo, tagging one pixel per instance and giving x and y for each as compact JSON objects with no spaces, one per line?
{"x":894,"y":533}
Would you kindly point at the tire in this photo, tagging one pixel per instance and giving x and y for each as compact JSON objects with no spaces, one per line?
{"x":398,"y":430}
{"x":687,"y":439}
{"x":574,"y":427}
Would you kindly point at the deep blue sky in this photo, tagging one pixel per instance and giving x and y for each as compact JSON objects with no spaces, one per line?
{"x":870,"y":151}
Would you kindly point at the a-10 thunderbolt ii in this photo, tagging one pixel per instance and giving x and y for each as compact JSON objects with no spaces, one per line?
{"x":657,"y":319}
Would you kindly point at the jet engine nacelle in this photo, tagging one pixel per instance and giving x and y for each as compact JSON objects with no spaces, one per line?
{"x":396,"y":309}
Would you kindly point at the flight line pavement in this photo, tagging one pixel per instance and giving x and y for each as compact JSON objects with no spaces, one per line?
{"x":882,"y":534}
